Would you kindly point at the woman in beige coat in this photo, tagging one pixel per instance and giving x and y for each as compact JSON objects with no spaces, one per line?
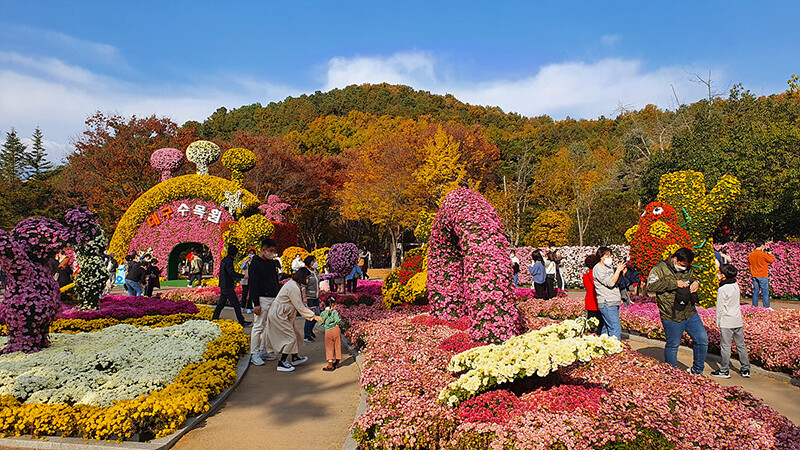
{"x":283,"y":337}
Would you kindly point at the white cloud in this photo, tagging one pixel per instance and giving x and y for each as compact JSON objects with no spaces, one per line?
{"x":58,"y":97}
{"x":63,"y":44}
{"x":610,"y":40}
{"x":576,"y":89}
{"x":410,"y":68}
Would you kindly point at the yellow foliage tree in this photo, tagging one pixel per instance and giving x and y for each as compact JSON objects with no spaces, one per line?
{"x":441,"y":170}
{"x":382,"y":187}
{"x":549,"y":227}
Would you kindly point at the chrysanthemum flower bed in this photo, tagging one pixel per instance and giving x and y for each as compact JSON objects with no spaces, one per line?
{"x":622,"y":398}
{"x":772,"y":337}
{"x":157,"y":410}
{"x":200,"y":295}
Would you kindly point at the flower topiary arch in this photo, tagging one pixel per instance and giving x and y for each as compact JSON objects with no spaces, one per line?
{"x":212,"y":189}
{"x":469,"y":271}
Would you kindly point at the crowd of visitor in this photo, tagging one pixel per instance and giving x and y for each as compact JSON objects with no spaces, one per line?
{"x":609,"y":285}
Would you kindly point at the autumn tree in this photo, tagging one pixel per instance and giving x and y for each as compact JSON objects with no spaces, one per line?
{"x":110,"y":166}
{"x":441,"y":170}
{"x":549,"y":228}
{"x":382,"y":187}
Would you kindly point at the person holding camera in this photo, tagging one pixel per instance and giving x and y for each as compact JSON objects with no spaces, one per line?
{"x":760,"y":260}
{"x":676,"y":288}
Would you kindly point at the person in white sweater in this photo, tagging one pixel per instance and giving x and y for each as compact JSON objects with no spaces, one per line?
{"x":729,"y":321}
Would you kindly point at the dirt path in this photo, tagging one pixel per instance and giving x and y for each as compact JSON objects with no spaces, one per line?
{"x":304,"y":409}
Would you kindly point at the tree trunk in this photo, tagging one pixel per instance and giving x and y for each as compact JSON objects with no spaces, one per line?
{"x":393,"y":246}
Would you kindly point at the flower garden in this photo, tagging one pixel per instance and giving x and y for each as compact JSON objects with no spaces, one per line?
{"x":413,"y":365}
{"x":454,"y":357}
{"x":135,"y":366}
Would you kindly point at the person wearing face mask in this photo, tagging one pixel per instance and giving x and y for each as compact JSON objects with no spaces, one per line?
{"x":676,"y":288}
{"x":282,"y":336}
{"x":263,"y":278}
{"x":608,"y":295}
{"x":244,"y":267}
{"x":312,"y":295}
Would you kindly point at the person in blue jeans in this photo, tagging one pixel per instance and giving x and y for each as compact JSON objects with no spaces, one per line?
{"x":674,"y":283}
{"x":759,"y":261}
{"x":136,"y":277}
{"x":608,"y":295}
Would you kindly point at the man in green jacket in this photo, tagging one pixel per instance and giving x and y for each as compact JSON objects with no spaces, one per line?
{"x":671,"y":280}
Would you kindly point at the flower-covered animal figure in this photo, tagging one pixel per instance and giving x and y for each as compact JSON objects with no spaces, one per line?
{"x":32,"y":300}
{"x":657,"y":236}
{"x":702,"y":212}
{"x":90,"y":244}
{"x":274,"y":208}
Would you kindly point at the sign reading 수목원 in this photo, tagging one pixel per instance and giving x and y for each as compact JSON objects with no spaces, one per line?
{"x":166,"y":213}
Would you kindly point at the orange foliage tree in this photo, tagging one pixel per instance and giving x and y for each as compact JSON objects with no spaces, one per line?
{"x":110,"y":167}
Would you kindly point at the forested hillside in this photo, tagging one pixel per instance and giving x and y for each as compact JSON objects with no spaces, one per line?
{"x":360,"y":163}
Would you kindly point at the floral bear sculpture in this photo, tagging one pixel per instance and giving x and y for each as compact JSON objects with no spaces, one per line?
{"x":657,"y":236}
{"x":32,"y":299}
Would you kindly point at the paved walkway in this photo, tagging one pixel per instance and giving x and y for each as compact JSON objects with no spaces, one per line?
{"x":304,"y":409}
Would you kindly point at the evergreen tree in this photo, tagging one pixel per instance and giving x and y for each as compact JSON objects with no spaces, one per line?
{"x":13,"y":158}
{"x":37,"y":159}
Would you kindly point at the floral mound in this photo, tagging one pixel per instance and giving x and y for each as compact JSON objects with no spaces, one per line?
{"x":131,"y":361}
{"x":468,"y":269}
{"x":622,"y":398}
{"x":287,"y":258}
{"x":537,"y":353}
{"x":342,"y":258}
{"x":199,"y":295}
{"x":127,"y":307}
{"x":156,"y":414}
{"x":408,"y":284}
{"x":772,"y":337}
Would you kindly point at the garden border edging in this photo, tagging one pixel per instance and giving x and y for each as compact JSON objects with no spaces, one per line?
{"x":779,"y":376}
{"x":350,"y":443}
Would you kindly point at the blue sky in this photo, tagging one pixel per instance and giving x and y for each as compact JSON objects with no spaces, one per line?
{"x":61,"y":61}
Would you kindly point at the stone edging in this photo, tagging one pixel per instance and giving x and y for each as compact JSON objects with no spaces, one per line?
{"x":164,"y":443}
{"x":779,"y":376}
{"x":350,"y":443}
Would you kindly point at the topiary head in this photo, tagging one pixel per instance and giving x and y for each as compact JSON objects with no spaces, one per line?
{"x":203,"y":154}
{"x":238,"y":161}
{"x":81,"y":224}
{"x":167,"y":160}
{"x":41,"y":237}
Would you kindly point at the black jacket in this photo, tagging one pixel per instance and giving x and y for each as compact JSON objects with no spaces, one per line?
{"x":263,"y":278}
{"x":136,"y":273}
{"x":227,"y":275}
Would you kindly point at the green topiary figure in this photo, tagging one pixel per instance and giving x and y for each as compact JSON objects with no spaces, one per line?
{"x":701,"y":213}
